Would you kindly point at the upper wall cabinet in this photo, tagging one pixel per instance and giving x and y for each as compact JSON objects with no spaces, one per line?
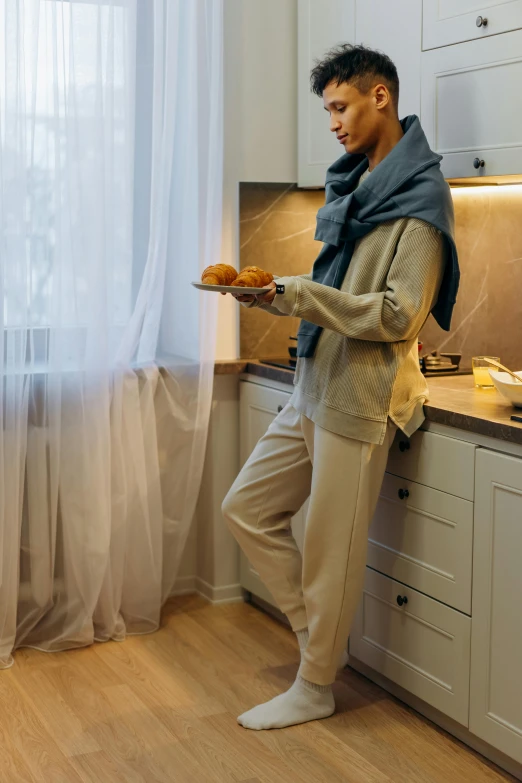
{"x":454,"y":21}
{"x":395,"y":29}
{"x":320,"y":26}
{"x":471,"y":106}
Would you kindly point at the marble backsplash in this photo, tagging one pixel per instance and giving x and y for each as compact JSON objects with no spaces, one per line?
{"x":277,"y":226}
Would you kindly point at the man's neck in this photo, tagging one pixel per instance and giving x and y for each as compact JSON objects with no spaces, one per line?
{"x":385,"y":145}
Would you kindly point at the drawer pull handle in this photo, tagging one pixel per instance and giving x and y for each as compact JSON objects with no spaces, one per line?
{"x":481,"y":21}
{"x":478,"y":163}
{"x":279,"y":408}
{"x":404,"y":445}
{"x":404,"y":493}
{"x":402,"y":599}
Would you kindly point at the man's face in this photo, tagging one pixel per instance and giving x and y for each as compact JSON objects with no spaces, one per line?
{"x":354,"y":116}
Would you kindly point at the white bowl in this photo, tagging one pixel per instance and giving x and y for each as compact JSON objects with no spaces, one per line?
{"x":508,"y":386}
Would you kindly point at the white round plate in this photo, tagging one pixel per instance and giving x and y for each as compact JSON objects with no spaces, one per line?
{"x":230,"y":289}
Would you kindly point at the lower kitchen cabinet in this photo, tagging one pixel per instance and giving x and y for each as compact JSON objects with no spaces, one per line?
{"x":258,"y":407}
{"x":447,"y":537}
{"x":417,"y":642}
{"x":496,"y":640}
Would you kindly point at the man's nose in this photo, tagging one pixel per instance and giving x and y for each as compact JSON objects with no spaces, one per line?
{"x":334,"y":125}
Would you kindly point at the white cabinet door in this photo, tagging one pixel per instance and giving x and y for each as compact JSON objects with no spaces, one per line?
{"x":452,"y":21}
{"x":258,"y":406}
{"x":471,"y":105}
{"x":320,"y":25}
{"x":395,"y":29}
{"x":414,"y":641}
{"x":496,"y":641}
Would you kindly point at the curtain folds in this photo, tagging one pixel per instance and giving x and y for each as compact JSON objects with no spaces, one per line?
{"x":111,"y":157}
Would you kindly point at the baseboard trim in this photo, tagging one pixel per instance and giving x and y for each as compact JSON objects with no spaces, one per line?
{"x":184,"y":585}
{"x":227,"y":594}
{"x":448,"y":724}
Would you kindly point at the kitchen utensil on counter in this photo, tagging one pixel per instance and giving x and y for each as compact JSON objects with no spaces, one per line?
{"x":496,"y":363}
{"x":516,"y":418}
{"x":481,"y":365}
{"x":436,"y":363}
{"x":508,"y":387}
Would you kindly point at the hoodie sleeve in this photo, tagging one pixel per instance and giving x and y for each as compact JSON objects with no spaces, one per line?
{"x":398,"y":313}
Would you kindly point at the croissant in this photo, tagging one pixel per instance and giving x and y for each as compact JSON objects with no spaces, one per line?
{"x":219,"y":274}
{"x":253,"y":277}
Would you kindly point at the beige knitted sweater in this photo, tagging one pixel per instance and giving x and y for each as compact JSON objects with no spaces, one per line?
{"x":366,"y":367}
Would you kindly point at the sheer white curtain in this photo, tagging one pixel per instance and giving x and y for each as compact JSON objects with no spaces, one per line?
{"x":110,"y":204}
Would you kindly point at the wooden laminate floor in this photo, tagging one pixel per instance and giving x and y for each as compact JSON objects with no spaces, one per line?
{"x":162,"y":708}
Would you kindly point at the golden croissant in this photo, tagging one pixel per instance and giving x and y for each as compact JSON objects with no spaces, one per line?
{"x":253,"y":277}
{"x":219,"y":274}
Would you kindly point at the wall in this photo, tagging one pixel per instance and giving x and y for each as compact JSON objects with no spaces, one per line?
{"x":217,"y":550}
{"x":488,"y":313}
{"x":260,"y":133}
{"x":210,"y":561}
{"x":277,"y":224}
{"x":260,"y":121}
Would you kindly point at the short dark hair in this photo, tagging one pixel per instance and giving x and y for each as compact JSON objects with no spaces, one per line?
{"x":358,"y":66}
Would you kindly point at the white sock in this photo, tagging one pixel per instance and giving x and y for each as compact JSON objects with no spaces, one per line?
{"x":304,"y":701}
{"x":302,"y":640}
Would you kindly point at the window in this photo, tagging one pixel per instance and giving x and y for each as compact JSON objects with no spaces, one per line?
{"x":67,"y":117}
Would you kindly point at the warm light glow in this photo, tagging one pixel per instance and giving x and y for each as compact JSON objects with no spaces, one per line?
{"x":487,"y":190}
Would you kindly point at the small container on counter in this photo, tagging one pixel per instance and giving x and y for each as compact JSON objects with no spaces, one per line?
{"x":481,"y":374}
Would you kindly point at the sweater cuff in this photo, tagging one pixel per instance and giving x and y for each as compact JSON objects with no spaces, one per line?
{"x":287,"y":302}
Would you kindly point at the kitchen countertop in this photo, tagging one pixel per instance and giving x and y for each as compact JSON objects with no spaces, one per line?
{"x":231,"y":367}
{"x":454,"y":401}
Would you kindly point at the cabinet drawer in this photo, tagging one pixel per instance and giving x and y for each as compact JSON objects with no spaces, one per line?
{"x":423,"y":646}
{"x":435,"y":461}
{"x":447,"y":22}
{"x":424,"y":540}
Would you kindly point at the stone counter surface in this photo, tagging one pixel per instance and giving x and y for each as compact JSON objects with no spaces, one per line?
{"x":454,"y":401}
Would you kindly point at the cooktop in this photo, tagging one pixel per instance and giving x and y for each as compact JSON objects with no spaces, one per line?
{"x":284,"y":363}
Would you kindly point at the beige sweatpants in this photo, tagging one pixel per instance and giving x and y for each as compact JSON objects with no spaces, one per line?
{"x":294,"y":460}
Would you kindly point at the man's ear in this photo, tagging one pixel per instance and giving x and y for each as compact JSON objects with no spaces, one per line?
{"x":381,"y":96}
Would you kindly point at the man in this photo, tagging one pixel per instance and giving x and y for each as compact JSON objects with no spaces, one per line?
{"x":388,"y":260}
